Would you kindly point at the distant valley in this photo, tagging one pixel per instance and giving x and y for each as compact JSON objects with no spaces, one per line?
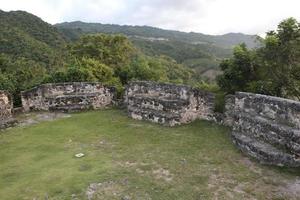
{"x":200,"y":52}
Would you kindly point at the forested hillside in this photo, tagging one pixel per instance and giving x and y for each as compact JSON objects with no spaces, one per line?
{"x":30,"y":49}
{"x":225,"y":41}
{"x":34,"y":52}
{"x":25,"y":35}
{"x":195,"y":50}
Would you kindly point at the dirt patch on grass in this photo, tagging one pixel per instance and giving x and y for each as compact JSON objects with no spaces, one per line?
{"x":102,"y":143}
{"x":291,"y":190}
{"x":150,"y":169}
{"x":221,"y":185}
{"x":106,"y":190}
{"x":251,"y":165}
{"x":115,"y":190}
{"x":35,"y":118}
{"x":258,"y":183}
{"x":265,"y":185}
{"x":163,"y":174}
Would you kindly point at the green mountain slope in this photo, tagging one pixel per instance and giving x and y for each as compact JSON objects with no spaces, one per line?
{"x":224,"y":41}
{"x":198,"y":51}
{"x":34,"y":52}
{"x":30,"y":49}
{"x":25,"y":35}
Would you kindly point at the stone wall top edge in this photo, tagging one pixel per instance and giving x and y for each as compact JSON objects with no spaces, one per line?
{"x":267,"y":97}
{"x":203,"y":92}
{"x":145,"y":83}
{"x":4,"y":92}
{"x":158,"y":84}
{"x":63,"y":84}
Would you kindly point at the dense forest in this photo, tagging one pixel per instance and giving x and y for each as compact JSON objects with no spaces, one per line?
{"x":34,"y":52}
{"x":226,"y":41}
{"x":203,"y":53}
{"x":272,"y":69}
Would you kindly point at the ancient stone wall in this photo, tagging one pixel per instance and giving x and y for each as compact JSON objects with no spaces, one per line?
{"x":67,"y":96}
{"x":167,"y":103}
{"x":267,"y":128}
{"x":5,"y":109}
{"x":5,"y":105}
{"x":228,"y":116}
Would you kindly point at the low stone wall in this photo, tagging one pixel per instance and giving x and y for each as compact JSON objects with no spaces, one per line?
{"x":67,"y":97}
{"x":167,"y":104}
{"x":6,"y":107}
{"x":229,"y":112}
{"x":264,"y":127}
{"x":267,"y":128}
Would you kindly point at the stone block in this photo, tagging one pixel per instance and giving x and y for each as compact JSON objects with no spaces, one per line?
{"x":67,"y":97}
{"x":167,"y":104}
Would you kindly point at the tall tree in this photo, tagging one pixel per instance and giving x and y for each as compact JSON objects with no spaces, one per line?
{"x":238,"y":71}
{"x":111,"y":50}
{"x":272,"y":69}
{"x":280,"y":58}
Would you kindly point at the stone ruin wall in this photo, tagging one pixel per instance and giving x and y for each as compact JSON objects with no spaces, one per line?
{"x":167,"y":104}
{"x":229,"y":111}
{"x":6,"y":106}
{"x":265,"y":127}
{"x":67,"y":97}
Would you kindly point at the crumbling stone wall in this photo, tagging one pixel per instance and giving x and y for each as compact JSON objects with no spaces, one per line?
{"x":267,"y":128}
{"x":67,"y":96}
{"x":5,"y":109}
{"x":167,"y":104}
{"x":229,"y":112}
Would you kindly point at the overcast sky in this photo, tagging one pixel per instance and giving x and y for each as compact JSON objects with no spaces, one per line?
{"x":205,"y":16}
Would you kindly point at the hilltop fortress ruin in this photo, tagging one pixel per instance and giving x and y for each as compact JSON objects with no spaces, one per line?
{"x":264,"y":127}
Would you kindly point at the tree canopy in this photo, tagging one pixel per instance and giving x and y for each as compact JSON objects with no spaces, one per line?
{"x":272,"y":69}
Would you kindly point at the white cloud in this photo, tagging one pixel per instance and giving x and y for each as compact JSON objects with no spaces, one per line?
{"x":206,"y":16}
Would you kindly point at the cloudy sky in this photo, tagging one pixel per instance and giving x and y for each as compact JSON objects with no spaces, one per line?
{"x":205,"y":16}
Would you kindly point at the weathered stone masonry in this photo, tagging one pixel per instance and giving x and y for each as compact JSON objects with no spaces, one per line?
{"x":264,"y":127}
{"x":67,"y":97}
{"x":267,"y":128}
{"x":167,"y":103}
{"x":5,"y":109}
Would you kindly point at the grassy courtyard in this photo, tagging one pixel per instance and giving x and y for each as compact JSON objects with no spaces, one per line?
{"x":132,"y":160}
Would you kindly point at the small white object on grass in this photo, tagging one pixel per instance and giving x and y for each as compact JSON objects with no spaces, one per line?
{"x":79,"y":155}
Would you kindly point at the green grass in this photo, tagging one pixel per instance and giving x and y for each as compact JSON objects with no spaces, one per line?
{"x":131,"y":158}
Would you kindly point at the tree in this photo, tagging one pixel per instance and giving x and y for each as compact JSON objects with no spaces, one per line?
{"x":99,"y":71}
{"x":138,"y":69}
{"x":113,"y":57}
{"x":272,"y":69}
{"x":111,"y":50}
{"x":280,"y":59}
{"x":20,"y":74}
{"x":238,"y":71}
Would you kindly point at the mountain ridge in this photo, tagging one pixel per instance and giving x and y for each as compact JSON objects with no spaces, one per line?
{"x":25,"y":35}
{"x":227,"y":40}
{"x":148,"y":26}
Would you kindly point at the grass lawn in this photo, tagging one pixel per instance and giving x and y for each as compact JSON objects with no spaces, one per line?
{"x":128,"y":159}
